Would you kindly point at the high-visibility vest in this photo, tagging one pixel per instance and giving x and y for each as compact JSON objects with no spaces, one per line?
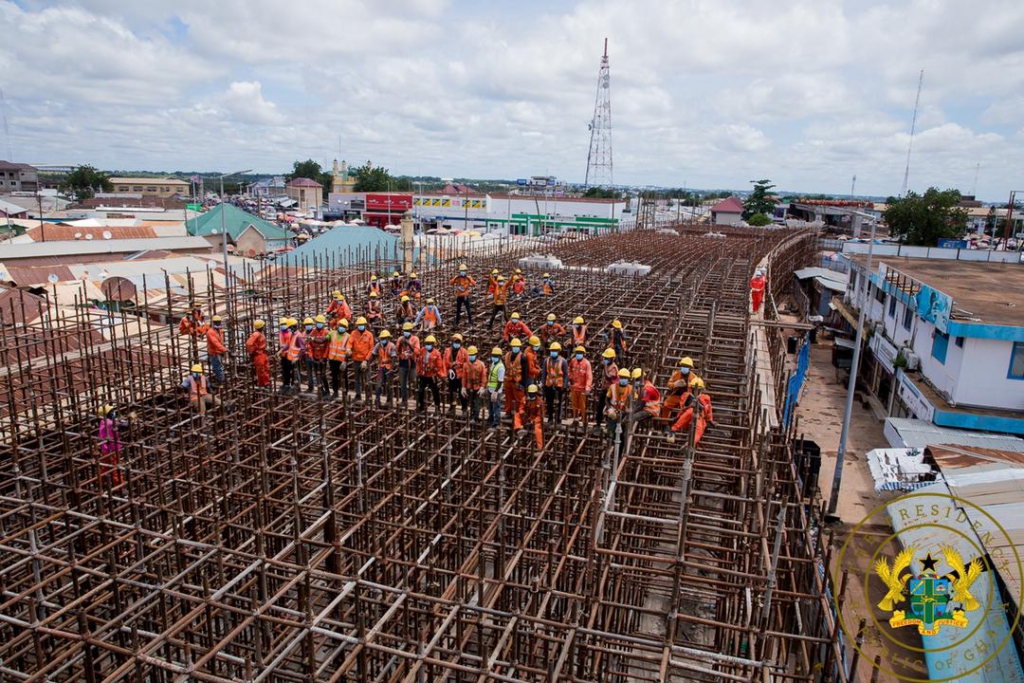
{"x":554,"y":372}
{"x":652,"y":398}
{"x":547,"y":288}
{"x":519,"y":284}
{"x":197,"y":388}
{"x":373,"y":310}
{"x":338,"y":349}
{"x":360,"y":345}
{"x":385,"y":355}
{"x":318,"y":342}
{"x":295,"y":349}
{"x":500,"y":294}
{"x":373,"y":288}
{"x":462,"y":285}
{"x":430,"y":314}
{"x":285,"y":339}
{"x":429,"y":363}
{"x":611,"y":374}
{"x":492,"y":376}
{"x":618,"y":397}
{"x":513,"y":367}
{"x":579,"y":336}
{"x":474,"y":375}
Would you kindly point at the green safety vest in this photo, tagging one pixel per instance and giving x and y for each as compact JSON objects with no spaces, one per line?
{"x":492,"y":376}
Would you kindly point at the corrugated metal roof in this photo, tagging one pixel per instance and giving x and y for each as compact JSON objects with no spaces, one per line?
{"x":954,"y":457}
{"x":825,"y":273}
{"x":13,"y":252}
{"x":56,"y":233}
{"x":346,"y":241}
{"x":33,"y":276}
{"x":921,"y":433}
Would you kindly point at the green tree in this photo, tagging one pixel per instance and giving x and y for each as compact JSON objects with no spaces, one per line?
{"x":85,"y":181}
{"x":370,"y":178}
{"x":759,"y":200}
{"x":759,"y":220}
{"x":306,"y":169}
{"x":601,"y":193}
{"x":923,"y":220}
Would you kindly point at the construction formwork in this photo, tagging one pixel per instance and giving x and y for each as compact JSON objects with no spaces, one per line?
{"x":289,"y":538}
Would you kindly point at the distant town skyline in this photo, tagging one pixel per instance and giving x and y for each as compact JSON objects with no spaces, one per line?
{"x":807,"y":93}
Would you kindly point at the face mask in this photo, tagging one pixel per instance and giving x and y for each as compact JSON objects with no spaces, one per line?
{"x":554,"y":354}
{"x":196,"y":376}
{"x":551,"y":322}
{"x":462,"y":273}
{"x":623,"y":382}
{"x":605,"y":361}
{"x":532,"y":397}
{"x":535,"y":348}
{"x":456,"y":345}
{"x":495,"y":359}
{"x":579,"y":356}
{"x":407,"y":334}
{"x":472,"y":359}
{"x":515,"y":349}
{"x":686,"y":371}
{"x":284,"y":328}
{"x":429,"y":347}
{"x":319,"y":326}
{"x":216,"y":326}
{"x":309,"y":328}
{"x":361,"y":328}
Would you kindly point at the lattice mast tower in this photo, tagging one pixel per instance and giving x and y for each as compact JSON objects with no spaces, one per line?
{"x":599,"y":157}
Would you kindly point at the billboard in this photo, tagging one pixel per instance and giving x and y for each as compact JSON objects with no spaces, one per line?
{"x":934,"y":306}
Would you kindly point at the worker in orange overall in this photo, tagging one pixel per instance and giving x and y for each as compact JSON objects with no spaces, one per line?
{"x":386,"y":354}
{"x":551,"y":330}
{"x":462,"y":284}
{"x":373,"y":287}
{"x":534,"y":414}
{"x":556,"y":381}
{"x":499,"y":301}
{"x":193,"y":324}
{"x":374,"y":313}
{"x":533,"y":363}
{"x":337,"y":356}
{"x":492,"y":282}
{"x":514,"y":382}
{"x":757,"y":285}
{"x":515,"y":328}
{"x":338,"y":309}
{"x":396,"y":283}
{"x":609,"y":373}
{"x":404,"y":312}
{"x":216,"y":350}
{"x":429,"y":316}
{"x":619,"y":395}
{"x":578,"y":332}
{"x":429,"y":370}
{"x":360,"y":351}
{"x":678,"y":385}
{"x":474,"y":383}
{"x":646,"y":395}
{"x":518,"y":283}
{"x":455,"y":358}
{"x":318,"y":343}
{"x":546,"y":288}
{"x":617,"y":340}
{"x":256,"y":347}
{"x":581,"y":382}
{"x":697,"y":400}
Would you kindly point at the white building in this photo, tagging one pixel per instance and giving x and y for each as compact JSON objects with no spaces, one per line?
{"x":946,"y":340}
{"x":519,"y":214}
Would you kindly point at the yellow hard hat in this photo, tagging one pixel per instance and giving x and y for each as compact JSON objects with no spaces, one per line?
{"x":686,"y":361}
{"x":495,"y":351}
{"x":547,"y":274}
{"x":292,"y":322}
{"x":456,"y":337}
{"x":515,"y":343}
{"x":624,"y":372}
{"x":430,"y":339}
{"x":518,"y":271}
{"x":616,"y":324}
{"x":501,"y":278}
{"x":471,"y":350}
{"x":430,"y":299}
{"x":637,"y":373}
{"x":196,"y":367}
{"x":384,"y":334}
{"x":463,"y":266}
{"x":555,"y":346}
{"x":579,"y":349}
{"x":699,"y":383}
{"x":515,"y":316}
{"x":532,"y":389}
{"x":413,"y":275}
{"x":360,"y":320}
{"x":216,"y":319}
{"x":340,"y":296}
{"x":259,"y":324}
{"x":552,"y":317}
{"x":343,"y":322}
{"x":373,"y":295}
{"x":406,"y":326}
{"x":534,"y":341}
{"x":320,"y":319}
{"x":105,"y":410}
{"x":337,"y":294}
{"x":396,"y":274}
{"x":608,"y":353}
{"x":578,"y":320}
{"x":307,"y":321}
{"x":405,"y":297}
{"x":494,"y":271}
{"x":283,"y":321}
{"x":373,"y":278}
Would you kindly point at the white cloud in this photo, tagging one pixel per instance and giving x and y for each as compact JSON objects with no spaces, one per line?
{"x":244,"y":101}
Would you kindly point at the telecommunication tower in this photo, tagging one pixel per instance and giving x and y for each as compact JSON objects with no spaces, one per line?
{"x":599,"y":157}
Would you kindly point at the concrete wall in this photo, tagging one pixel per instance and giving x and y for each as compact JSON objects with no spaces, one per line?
{"x":723,"y":218}
{"x":851,"y":248}
{"x":982,"y":380}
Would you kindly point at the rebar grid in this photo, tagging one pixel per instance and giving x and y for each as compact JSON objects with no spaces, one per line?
{"x":292,"y":539}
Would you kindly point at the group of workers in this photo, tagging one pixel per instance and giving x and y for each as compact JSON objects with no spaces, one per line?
{"x":528,"y":382}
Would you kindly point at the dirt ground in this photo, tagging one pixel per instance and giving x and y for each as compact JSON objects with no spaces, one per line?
{"x":820,"y":415}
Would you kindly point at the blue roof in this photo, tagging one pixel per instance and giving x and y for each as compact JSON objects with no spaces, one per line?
{"x":347,"y":244}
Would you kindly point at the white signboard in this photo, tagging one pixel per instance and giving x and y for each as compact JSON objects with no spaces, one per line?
{"x":884,"y":351}
{"x":920,"y":407}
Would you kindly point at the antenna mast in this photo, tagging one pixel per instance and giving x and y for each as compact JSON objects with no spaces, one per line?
{"x":599,"y":156}
{"x":913,"y":125}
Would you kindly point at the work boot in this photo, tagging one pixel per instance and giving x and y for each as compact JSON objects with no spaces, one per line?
{"x":390,"y":402}
{"x":405,"y":404}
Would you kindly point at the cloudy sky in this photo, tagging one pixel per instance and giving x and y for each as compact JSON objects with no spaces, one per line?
{"x":707,"y":93}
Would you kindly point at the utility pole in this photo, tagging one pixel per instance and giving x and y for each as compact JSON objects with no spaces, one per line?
{"x":913,"y":125}
{"x":599,"y":156}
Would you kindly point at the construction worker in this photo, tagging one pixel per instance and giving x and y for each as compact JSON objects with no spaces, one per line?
{"x":492,"y":282}
{"x":429,"y":369}
{"x":216,"y":350}
{"x":455,"y":359}
{"x":546,"y":288}
{"x":338,"y":309}
{"x":462,"y":283}
{"x":295,"y":353}
{"x":256,"y":347}
{"x":414,"y":287}
{"x":360,"y":351}
{"x":474,"y":383}
{"x":757,"y":286}
{"x":581,"y":382}
{"x":514,"y":382}
{"x":396,"y":283}
{"x":515,"y":328}
{"x":551,"y":330}
{"x":386,"y":354}
{"x":646,"y":396}
{"x":556,"y":381}
{"x":198,"y":389}
{"x":578,"y":332}
{"x":609,"y":376}
{"x":373,"y":287}
{"x":374,"y":313}
{"x":518,"y":283}
{"x":678,"y":384}
{"x":404,"y":312}
{"x":429,"y":316}
{"x":495,"y":382}
{"x":534,"y":414}
{"x":408,"y":351}
{"x":619,"y":395}
{"x":533,"y":364}
{"x":318,"y":344}
{"x":499,"y":301}
{"x":284,"y":339}
{"x":307,"y":358}
{"x":617,"y":340}
{"x":109,"y":440}
{"x":337,"y":356}
{"x":697,"y":399}
{"x":193,"y":324}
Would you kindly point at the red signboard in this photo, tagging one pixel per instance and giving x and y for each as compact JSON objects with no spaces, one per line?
{"x":388,"y":202}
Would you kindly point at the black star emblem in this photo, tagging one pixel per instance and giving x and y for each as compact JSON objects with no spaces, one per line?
{"x":928,"y":563}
